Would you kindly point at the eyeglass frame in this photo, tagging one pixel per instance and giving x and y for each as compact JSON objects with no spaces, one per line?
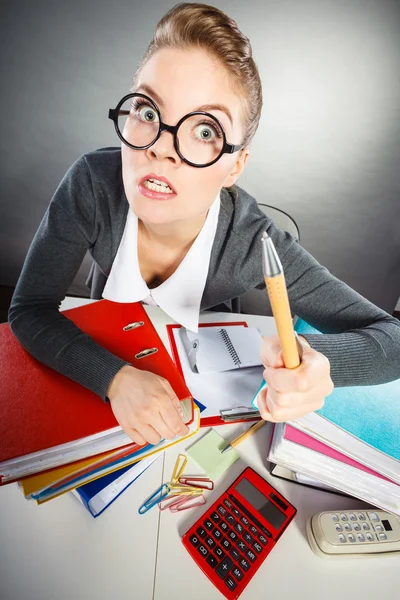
{"x":227,"y":148}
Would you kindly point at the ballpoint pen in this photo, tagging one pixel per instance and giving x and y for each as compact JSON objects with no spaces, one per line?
{"x":243,"y":436}
{"x":275,"y":282}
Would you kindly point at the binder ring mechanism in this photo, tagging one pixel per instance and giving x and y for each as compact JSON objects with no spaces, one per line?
{"x":181,"y":492}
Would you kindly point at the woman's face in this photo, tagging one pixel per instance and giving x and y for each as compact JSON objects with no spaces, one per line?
{"x":180,"y":82}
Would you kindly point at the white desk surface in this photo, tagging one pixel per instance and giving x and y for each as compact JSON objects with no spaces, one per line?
{"x":58,"y":551}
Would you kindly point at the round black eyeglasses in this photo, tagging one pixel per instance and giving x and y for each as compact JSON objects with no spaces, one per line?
{"x":199,"y":138}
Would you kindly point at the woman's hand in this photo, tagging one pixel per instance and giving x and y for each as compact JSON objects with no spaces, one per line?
{"x":146,"y":406}
{"x":293,"y":393}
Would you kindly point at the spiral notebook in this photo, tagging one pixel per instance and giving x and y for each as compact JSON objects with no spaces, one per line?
{"x":216,"y":349}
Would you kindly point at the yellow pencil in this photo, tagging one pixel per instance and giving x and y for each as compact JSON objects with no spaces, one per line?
{"x":244,"y":435}
{"x":278,"y":297}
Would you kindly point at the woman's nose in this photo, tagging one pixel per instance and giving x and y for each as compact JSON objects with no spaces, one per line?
{"x":164,"y":148}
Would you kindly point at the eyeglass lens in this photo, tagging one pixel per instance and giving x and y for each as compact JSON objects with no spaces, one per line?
{"x":200,"y":138}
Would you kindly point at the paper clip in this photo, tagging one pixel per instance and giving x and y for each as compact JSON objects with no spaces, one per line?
{"x":204,"y":483}
{"x":185,"y":489}
{"x":158,"y":495}
{"x":178,"y":468}
{"x":134,"y":325}
{"x":186,"y":503}
{"x":171,"y":500}
{"x":146,"y":352}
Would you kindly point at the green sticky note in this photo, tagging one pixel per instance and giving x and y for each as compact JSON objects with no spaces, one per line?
{"x":207,"y":454}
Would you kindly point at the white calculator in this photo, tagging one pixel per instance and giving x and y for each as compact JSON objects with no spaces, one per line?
{"x":354,"y":533}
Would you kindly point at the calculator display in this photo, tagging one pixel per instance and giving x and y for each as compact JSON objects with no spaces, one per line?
{"x":265,"y":507}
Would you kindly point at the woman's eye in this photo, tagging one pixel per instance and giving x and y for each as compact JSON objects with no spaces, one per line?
{"x":148,"y":114}
{"x":206,"y":133}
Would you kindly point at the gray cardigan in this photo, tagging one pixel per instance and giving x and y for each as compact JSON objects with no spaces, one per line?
{"x":88,"y":211}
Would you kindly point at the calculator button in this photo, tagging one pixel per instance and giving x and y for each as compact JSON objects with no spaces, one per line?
{"x":218,"y":552}
{"x":230,"y":520}
{"x":335,"y":517}
{"x":244,"y":564}
{"x":239,"y":528}
{"x":210,"y":542}
{"x":250,"y":555}
{"x":357,"y":526}
{"x":343,"y":517}
{"x":227,"y":503}
{"x":369,"y":537}
{"x":237,"y":573}
{"x":236,"y":512}
{"x":254,"y":530}
{"x":222,"y":510}
{"x":212,"y":561}
{"x":342,"y":538}
{"x":208,"y":524}
{"x":338,"y":527}
{"x":361,"y":516}
{"x":242,"y":546}
{"x":203,"y":550}
{"x":360,"y":537}
{"x":224,"y":567}
{"x":201,"y":532}
{"x":226,"y":544}
{"x":378,"y":528}
{"x":230,"y":583}
{"x":382,"y":536}
{"x":245,"y":521}
{"x":373,"y":516}
{"x":217,"y":534}
{"x":257,"y":547}
{"x":224,"y":526}
{"x":352,"y":517}
{"x":351,"y":537}
{"x":365,"y":526}
{"x":194,"y":540}
{"x":215,"y":517}
{"x":235,"y":554}
{"x":263,"y":539}
{"x":232,"y":536}
{"x":247,"y":538}
{"x":347,"y":527}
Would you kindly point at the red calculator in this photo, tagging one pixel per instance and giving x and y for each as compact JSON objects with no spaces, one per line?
{"x":234,"y":537}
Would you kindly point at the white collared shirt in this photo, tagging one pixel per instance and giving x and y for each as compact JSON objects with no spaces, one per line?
{"x":180,"y":295}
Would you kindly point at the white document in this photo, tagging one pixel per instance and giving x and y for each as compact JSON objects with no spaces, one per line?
{"x":222,"y":348}
{"x":219,"y":390}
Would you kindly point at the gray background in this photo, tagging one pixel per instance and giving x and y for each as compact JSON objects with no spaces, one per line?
{"x":327,"y":150}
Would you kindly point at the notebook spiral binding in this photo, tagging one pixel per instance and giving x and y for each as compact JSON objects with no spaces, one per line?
{"x":231,"y":349}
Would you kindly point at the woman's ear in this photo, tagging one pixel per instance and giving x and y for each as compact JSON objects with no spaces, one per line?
{"x":238,"y":167}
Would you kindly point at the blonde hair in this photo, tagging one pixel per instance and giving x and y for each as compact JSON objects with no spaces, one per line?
{"x":191,"y":25}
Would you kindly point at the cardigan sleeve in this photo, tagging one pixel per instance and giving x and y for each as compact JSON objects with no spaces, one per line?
{"x":67,"y":231}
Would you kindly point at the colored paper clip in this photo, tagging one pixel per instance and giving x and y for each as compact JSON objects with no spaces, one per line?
{"x":185,"y":489}
{"x":204,"y":483}
{"x":178,"y":468}
{"x":171,"y":500}
{"x":186,"y":503}
{"x":158,"y":495}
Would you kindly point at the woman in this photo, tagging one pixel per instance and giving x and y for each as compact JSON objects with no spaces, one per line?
{"x":166,"y":223}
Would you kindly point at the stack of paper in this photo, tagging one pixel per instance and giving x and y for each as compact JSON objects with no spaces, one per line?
{"x":352,"y":444}
{"x":55,"y":434}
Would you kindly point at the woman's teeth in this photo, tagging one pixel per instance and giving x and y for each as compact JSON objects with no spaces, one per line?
{"x":157,"y":187}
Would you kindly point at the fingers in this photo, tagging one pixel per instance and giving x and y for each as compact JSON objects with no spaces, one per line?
{"x":172,"y":413}
{"x":271,"y":354}
{"x":313,"y":368}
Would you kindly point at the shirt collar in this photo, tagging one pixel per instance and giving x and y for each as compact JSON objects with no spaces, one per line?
{"x":180,"y":295}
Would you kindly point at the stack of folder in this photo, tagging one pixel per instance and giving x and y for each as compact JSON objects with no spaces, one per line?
{"x":351,"y":445}
{"x":56,"y":435}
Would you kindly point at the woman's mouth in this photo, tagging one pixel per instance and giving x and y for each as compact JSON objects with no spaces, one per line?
{"x":154,"y":188}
